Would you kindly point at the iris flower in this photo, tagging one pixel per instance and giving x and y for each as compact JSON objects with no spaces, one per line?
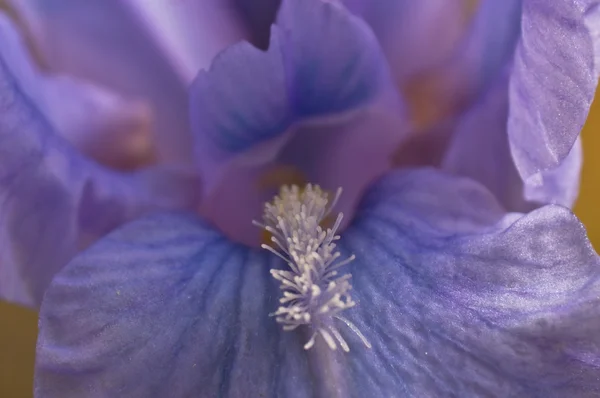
{"x":457,"y":270}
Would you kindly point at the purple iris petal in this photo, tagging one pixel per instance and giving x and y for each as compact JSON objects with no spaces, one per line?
{"x":560,"y":185}
{"x":553,"y":82}
{"x":322,"y":74}
{"x":479,"y":149}
{"x":456,"y":297}
{"x":418,"y":36}
{"x":487,"y":48}
{"x":415,"y":35}
{"x":321,"y":61}
{"x":143,"y":51}
{"x":558,"y":44}
{"x":480,"y":143}
{"x":53,"y":202}
{"x":551,"y":48}
{"x":98,"y":122}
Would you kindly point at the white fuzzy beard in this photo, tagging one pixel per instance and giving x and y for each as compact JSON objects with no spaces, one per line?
{"x":313,"y":291}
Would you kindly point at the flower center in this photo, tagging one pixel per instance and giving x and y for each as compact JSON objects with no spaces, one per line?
{"x":314,"y":293}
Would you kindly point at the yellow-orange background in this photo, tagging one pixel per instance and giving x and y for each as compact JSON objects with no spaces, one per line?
{"x":18,"y":325}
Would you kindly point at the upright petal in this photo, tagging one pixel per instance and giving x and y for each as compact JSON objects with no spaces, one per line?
{"x":443,"y":53}
{"x":444,"y":79}
{"x":295,"y":78}
{"x":322,"y":75}
{"x":53,"y":202}
{"x":482,"y":55}
{"x":144,"y":51}
{"x":110,"y":129}
{"x":415,"y":35}
{"x":480,"y":140}
{"x":561,"y":184}
{"x":455,"y":297}
{"x":553,"y":83}
{"x":479,"y":149}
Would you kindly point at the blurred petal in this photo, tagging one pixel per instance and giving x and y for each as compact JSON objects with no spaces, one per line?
{"x":483,"y":53}
{"x":487,"y":48}
{"x":478,"y":140}
{"x":322,"y":74}
{"x":553,"y":83}
{"x":53,"y":201}
{"x":415,"y":35}
{"x":191,"y":32}
{"x":479,"y":150}
{"x":443,"y":53}
{"x":456,"y":298}
{"x":443,"y":83}
{"x":101,"y":124}
{"x":488,"y":45}
{"x":146,"y":52}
